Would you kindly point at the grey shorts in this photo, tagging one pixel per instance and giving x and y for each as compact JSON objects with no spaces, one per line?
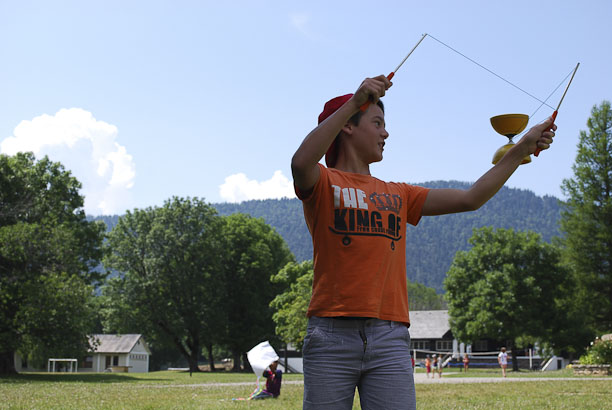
{"x":371,"y":355}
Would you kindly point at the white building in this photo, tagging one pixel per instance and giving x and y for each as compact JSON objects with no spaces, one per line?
{"x":117,"y":353}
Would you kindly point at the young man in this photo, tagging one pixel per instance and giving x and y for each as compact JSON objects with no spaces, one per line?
{"x":357,"y":332}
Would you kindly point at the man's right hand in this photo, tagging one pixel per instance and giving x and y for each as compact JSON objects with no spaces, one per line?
{"x":371,"y":89}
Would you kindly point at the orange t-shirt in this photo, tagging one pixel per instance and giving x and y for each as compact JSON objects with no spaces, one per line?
{"x":357,"y":225}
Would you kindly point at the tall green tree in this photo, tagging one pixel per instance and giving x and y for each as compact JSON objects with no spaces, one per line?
{"x":117,"y":315}
{"x":254,"y":253}
{"x":509,"y":286}
{"x":421,"y":297}
{"x":587,"y":218}
{"x":172,"y":282}
{"x":48,"y":252}
{"x":291,"y":305}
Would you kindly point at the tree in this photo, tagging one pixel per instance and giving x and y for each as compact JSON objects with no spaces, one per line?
{"x":172,"y":283}
{"x":254,"y":253}
{"x":291,"y":306}
{"x":118,"y":316}
{"x":61,"y":331}
{"x":587,"y":218}
{"x":48,"y":252}
{"x":421,"y":297}
{"x":509,"y":286}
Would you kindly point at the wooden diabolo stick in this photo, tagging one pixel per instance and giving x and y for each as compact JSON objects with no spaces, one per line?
{"x":554,"y":114}
{"x":392,"y":73}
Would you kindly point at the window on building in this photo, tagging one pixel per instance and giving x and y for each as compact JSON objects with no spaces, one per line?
{"x":444,"y":345}
{"x":112,"y":361}
{"x":420,"y":344}
{"x":481,"y":346}
{"x":88,"y":362}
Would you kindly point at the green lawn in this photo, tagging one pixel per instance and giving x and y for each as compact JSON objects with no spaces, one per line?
{"x":176,"y":390}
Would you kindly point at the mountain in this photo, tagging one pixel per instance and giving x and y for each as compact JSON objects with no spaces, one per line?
{"x":432,"y":244}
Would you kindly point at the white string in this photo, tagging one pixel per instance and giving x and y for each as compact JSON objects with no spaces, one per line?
{"x":492,"y":72}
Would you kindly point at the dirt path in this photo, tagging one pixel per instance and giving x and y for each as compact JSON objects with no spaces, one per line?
{"x":419,"y":378}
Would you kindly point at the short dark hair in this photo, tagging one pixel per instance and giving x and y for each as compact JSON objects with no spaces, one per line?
{"x":357,"y":116}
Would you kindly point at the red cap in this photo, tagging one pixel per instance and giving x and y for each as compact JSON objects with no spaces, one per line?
{"x":331,"y":107}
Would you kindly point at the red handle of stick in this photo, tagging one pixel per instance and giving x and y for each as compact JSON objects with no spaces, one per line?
{"x":538,"y":150}
{"x":367,"y":104}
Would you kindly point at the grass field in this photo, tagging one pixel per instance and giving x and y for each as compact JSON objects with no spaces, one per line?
{"x":176,"y":390}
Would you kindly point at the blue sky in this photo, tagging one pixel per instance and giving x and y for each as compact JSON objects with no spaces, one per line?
{"x":146,"y":100}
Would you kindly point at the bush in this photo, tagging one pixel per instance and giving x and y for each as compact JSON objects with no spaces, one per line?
{"x":600,"y":352}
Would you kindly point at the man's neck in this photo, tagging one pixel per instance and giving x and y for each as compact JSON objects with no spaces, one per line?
{"x":353,"y":167}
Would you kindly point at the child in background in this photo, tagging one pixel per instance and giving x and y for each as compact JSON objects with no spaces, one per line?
{"x":502,"y":359}
{"x":273,"y":377}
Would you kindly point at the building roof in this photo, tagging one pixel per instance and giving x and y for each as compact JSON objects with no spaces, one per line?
{"x":429,"y":324}
{"x":115,"y":343}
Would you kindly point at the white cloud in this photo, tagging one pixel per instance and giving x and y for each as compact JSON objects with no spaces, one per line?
{"x":86,"y":147}
{"x":238,"y":188}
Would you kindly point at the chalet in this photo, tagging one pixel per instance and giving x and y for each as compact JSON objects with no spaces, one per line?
{"x":117,"y":353}
{"x":430,"y":332}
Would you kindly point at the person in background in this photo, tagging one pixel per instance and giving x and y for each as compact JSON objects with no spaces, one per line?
{"x":434,"y":365}
{"x":502,"y":359}
{"x":466,"y":362}
{"x":428,"y":365}
{"x":273,"y":377}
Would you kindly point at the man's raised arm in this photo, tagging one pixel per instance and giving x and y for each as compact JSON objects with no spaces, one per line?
{"x":304,"y":162}
{"x":447,"y":201}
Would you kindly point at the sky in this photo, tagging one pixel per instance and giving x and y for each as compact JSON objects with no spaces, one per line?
{"x":146,"y":100}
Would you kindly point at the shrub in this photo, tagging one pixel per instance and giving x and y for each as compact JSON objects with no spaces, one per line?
{"x":600,"y":352}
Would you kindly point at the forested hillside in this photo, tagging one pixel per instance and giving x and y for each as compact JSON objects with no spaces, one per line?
{"x":432,"y":244}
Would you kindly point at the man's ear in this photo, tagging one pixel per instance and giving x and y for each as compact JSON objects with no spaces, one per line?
{"x":348,"y":128}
